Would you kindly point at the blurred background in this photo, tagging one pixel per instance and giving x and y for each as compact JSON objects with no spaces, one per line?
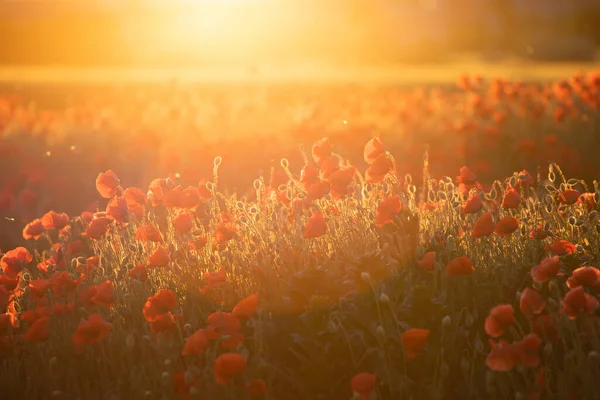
{"x":165,"y":33}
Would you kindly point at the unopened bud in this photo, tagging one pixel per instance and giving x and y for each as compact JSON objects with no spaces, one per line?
{"x":166,"y":378}
{"x":465,"y":365}
{"x":167,"y":363}
{"x":446,"y":321}
{"x":147,"y":394}
{"x":365,"y":276}
{"x":193,"y":391}
{"x":188,"y":329}
{"x":469,"y":320}
{"x":383,"y":298}
{"x":130,"y":341}
{"x":53,"y":362}
{"x":381,"y":332}
{"x":593,"y":356}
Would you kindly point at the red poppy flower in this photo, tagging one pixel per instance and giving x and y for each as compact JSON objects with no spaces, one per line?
{"x":117,"y":209}
{"x":528,"y":350}
{"x":506,"y":226}
{"x":414,"y":341}
{"x":466,"y":176}
{"x":561,"y":247}
{"x":577,"y":301}
{"x":97,"y":228}
{"x":587,"y":276}
{"x":91,"y":331}
{"x":428,"y":261}
{"x":227,"y":366}
{"x":148,"y":233}
{"x":53,"y":220}
{"x":225,"y":232}
{"x":387,"y":209}
{"x":363,"y":384}
{"x":512,"y":199}
{"x":499,"y":319}
{"x":166,"y":322}
{"x":107,"y":184}
{"x":548,"y":268}
{"x":134,"y":196}
{"x":139,"y":272}
{"x":538,"y":233}
{"x":257,"y":387}
{"x":321,"y":149}
{"x":221,"y":323}
{"x":14,"y":261}
{"x":39,"y":331}
{"x":159,"y":258}
{"x":308,"y":176}
{"x":588,"y":201}
{"x":460,"y":266}
{"x":33,"y":230}
{"x":315,"y":226}
{"x":373,"y":149}
{"x":473,"y":204}
{"x":502,"y":357}
{"x":183,"y":222}
{"x":104,"y":294}
{"x":247,"y":307}
{"x":531,"y":302}
{"x":196,"y":344}
{"x":568,"y":196}
{"x":190,"y":197}
{"x":484,"y":226}
{"x":162,"y":302}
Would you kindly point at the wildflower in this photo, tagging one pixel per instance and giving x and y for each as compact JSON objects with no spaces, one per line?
{"x":107,"y":184}
{"x":159,"y":258}
{"x":33,"y":230}
{"x":162,"y":302}
{"x":363,"y":384}
{"x":531,"y":302}
{"x":139,"y":272}
{"x":315,"y":226}
{"x":247,"y":307}
{"x":414,"y":341}
{"x":428,"y":262}
{"x":484,"y":226}
{"x":373,"y":149}
{"x":499,"y":319}
{"x":117,"y":209}
{"x":97,"y":227}
{"x":502,"y":356}
{"x":512,"y":199}
{"x":39,"y":331}
{"x":577,"y":301}
{"x":13,"y":261}
{"x":587,"y":276}
{"x":227,"y":366}
{"x":568,"y":196}
{"x":183,"y":222}
{"x":561,"y":247}
{"x":321,"y":149}
{"x":53,"y":220}
{"x":196,"y":344}
{"x":387,"y":209}
{"x":148,"y":233}
{"x":506,"y":226}
{"x":460,"y":266}
{"x":91,"y":331}
{"x":548,"y":268}
{"x":257,"y":387}
{"x":473,"y":204}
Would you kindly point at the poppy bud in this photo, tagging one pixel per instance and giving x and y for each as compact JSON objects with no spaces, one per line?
{"x":381,"y":332}
{"x":519,"y":296}
{"x":365,"y":276}
{"x":130,"y":341}
{"x":593,"y":214}
{"x":132,"y":247}
{"x":53,"y":362}
{"x":166,"y":378}
{"x":478,"y":346}
{"x":188,"y":377}
{"x":193,"y":391}
{"x":465,"y":365}
{"x":74,"y":263}
{"x":446,"y":321}
{"x":469,"y":320}
{"x":57,"y":393}
{"x":148,"y":394}
{"x":548,"y":350}
{"x":383,"y":298}
{"x":188,"y":329}
{"x":520,"y":396}
{"x":593,"y":356}
{"x":167,"y":363}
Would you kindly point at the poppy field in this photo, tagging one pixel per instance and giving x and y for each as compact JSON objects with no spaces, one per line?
{"x":348,"y":242}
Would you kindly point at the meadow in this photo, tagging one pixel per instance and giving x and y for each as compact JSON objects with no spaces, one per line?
{"x":297,"y":241}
